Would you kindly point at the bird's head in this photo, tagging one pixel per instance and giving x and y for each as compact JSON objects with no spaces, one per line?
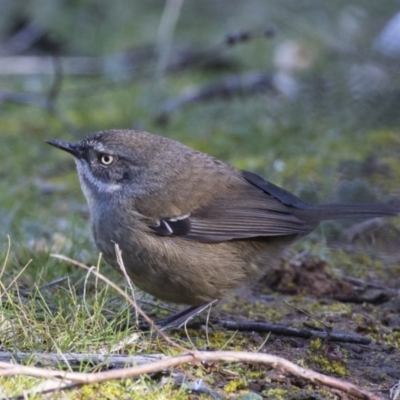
{"x":124,"y":163}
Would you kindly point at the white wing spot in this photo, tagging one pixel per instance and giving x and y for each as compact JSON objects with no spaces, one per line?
{"x":179,"y":218}
{"x":168,"y":227}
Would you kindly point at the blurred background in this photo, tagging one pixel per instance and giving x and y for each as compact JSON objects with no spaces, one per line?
{"x":305,"y":93}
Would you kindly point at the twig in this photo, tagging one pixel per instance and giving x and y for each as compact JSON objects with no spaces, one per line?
{"x":377,"y":297}
{"x":44,"y":65}
{"x":30,"y":99}
{"x":76,"y":359}
{"x":302,"y":333}
{"x":327,"y":327}
{"x":49,"y":284}
{"x":229,"y":86}
{"x":22,"y":40}
{"x":121,"y":265}
{"x":198,"y":357}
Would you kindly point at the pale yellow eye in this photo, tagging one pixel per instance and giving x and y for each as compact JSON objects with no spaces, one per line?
{"x":106,"y":159}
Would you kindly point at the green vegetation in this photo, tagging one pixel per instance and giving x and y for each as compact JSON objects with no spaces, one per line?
{"x":322,"y":146}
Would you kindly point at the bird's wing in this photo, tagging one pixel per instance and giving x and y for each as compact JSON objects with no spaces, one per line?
{"x":254,"y":208}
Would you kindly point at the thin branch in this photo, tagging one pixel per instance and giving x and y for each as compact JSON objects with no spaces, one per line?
{"x":327,"y":327}
{"x":195,"y":357}
{"x":77,"y":359}
{"x":121,"y":265}
{"x":227,"y":87}
{"x":302,"y":333}
{"x":44,"y":65}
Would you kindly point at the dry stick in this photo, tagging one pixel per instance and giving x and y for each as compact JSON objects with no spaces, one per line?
{"x":329,"y":328}
{"x":287,"y":331}
{"x":121,"y":265}
{"x":228,"y":86}
{"x":122,"y":293}
{"x":44,"y":65}
{"x":196,"y":356}
{"x":77,"y":359}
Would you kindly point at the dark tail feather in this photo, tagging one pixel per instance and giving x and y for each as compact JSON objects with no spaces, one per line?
{"x":326,"y":212}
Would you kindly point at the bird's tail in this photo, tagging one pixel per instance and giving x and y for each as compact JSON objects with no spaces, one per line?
{"x":326,"y":212}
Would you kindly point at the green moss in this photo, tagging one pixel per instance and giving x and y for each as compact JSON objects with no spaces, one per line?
{"x":235,"y":385}
{"x":330,"y":366}
{"x":277,"y":393}
{"x":322,"y":355}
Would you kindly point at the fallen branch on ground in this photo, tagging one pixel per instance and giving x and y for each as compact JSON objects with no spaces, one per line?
{"x":77,"y":359}
{"x":193,"y":357}
{"x":287,"y":331}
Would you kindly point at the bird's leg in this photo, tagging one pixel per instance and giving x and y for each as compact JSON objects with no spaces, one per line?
{"x":178,"y":319}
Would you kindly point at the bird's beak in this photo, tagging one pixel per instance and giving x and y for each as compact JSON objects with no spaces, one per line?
{"x":71,"y":148}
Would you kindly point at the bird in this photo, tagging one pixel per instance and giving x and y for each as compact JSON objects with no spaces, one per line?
{"x":191,"y":228}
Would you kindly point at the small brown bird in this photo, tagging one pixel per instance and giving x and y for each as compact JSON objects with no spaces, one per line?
{"x":190,"y":227}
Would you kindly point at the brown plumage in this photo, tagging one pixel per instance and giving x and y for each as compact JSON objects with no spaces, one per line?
{"x":191,"y":228}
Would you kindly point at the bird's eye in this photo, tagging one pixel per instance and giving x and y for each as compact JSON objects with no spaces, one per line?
{"x":106,"y":159}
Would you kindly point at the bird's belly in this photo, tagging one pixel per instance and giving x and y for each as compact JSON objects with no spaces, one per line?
{"x":189,"y":272}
